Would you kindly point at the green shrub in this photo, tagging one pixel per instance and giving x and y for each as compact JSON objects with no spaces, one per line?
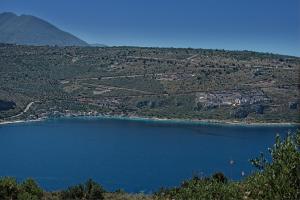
{"x":279,"y":179}
{"x":27,"y":190}
{"x":90,"y":190}
{"x":8,"y":188}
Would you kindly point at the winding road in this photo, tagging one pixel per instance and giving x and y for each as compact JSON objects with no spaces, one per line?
{"x":24,"y":111}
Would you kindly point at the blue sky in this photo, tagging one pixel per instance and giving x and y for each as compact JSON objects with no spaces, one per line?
{"x":260,"y":25}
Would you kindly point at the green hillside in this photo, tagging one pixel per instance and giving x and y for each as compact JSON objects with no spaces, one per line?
{"x":197,"y":84}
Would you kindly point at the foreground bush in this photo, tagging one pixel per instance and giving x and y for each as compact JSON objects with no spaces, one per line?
{"x":90,"y":190}
{"x":10,"y":189}
{"x":279,"y":179}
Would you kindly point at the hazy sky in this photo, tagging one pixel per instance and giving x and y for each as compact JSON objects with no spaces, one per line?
{"x":261,"y":25}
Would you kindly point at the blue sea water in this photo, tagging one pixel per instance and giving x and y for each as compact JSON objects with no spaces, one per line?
{"x":133,"y":155}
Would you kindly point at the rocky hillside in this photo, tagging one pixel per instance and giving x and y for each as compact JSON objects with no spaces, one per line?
{"x":150,"y":82}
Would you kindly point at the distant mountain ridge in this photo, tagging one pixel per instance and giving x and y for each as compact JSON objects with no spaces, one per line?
{"x":98,"y":45}
{"x":30,"y":30}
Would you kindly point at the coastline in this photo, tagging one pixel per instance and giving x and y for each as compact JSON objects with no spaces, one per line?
{"x":160,"y":120}
{"x":20,"y":121}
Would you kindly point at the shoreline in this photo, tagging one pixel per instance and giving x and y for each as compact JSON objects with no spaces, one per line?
{"x":160,"y":120}
{"x":20,"y":121}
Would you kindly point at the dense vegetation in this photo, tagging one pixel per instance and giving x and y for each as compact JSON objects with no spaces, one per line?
{"x":278,"y":179}
{"x":149,"y":82}
{"x":6,"y":105}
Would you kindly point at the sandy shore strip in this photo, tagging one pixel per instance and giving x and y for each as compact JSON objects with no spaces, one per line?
{"x":198,"y":121}
{"x":162,"y":120}
{"x":19,"y":121}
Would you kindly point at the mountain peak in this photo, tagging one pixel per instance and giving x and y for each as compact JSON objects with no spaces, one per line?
{"x":8,"y":14}
{"x":31,"y":30}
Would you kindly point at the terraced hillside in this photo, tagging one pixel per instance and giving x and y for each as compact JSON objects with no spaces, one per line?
{"x":243,"y":86}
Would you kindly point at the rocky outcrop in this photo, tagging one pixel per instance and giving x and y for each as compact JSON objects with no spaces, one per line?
{"x":245,"y":110}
